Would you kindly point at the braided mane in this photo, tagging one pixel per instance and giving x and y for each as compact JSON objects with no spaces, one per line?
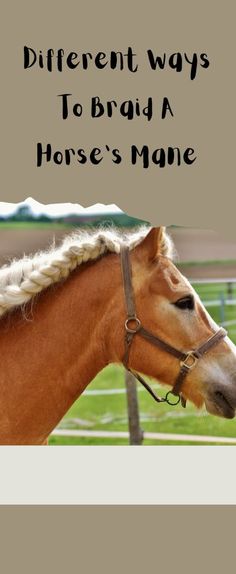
{"x":22,"y":279}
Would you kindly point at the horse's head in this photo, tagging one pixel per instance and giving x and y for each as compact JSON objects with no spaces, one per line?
{"x":169,"y":307}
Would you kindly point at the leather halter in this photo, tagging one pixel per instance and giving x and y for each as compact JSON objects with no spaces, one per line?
{"x":133,"y":326}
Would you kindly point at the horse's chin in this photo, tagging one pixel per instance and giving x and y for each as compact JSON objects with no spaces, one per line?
{"x":219,"y":404}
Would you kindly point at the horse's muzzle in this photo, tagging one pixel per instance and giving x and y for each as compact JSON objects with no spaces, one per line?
{"x":220,"y":402}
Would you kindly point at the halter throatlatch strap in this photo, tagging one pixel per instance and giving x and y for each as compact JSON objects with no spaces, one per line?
{"x":133,"y":326}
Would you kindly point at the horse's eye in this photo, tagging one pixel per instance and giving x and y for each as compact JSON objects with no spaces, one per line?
{"x":185,"y":303}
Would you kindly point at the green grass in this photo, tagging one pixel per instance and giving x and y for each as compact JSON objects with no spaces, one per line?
{"x":33,"y":225}
{"x":219,"y":291}
{"x":211,"y":291}
{"x":206,"y":263}
{"x":109,"y":412}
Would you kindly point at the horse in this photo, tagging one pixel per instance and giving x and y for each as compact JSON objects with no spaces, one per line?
{"x":63,"y":318}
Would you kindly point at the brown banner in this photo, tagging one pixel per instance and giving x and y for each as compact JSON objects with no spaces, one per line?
{"x":117,"y":539}
{"x":194,"y":44}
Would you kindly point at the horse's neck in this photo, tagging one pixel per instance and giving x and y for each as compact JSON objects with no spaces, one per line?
{"x":47,"y":362}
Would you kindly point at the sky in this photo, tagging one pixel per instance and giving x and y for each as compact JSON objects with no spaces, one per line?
{"x":57,"y":209}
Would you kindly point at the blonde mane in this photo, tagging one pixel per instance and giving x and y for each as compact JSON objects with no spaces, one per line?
{"x":22,"y":279}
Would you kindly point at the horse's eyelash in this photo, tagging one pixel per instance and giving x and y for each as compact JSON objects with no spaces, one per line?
{"x":186,"y":302}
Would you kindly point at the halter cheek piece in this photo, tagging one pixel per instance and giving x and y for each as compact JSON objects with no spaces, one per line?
{"x":133,"y":326}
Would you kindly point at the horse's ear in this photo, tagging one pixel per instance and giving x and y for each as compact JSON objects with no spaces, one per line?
{"x":151,"y":246}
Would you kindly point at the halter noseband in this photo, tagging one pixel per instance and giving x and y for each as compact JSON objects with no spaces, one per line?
{"x":133,"y":326}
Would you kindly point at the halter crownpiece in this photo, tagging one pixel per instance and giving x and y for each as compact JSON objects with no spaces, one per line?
{"x":133,"y":326}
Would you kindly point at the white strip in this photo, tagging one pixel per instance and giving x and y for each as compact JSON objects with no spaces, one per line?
{"x":114,"y":391}
{"x":228,"y":323}
{"x":199,"y":281}
{"x":104,"y":392}
{"x":218,"y":302}
{"x":118,"y":475}
{"x":147,"y":435}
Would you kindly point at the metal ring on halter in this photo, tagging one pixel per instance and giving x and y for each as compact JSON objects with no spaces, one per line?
{"x":169,"y":402}
{"x":138,"y":325}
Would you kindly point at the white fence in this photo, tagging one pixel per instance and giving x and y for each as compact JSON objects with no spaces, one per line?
{"x":221,"y":301}
{"x":146,"y":435}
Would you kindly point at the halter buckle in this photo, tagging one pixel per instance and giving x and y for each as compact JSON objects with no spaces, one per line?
{"x":189,"y":357}
{"x":134,"y":329}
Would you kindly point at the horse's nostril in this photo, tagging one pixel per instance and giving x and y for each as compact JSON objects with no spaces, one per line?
{"x":219,"y":394}
{"x":222,"y":398}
